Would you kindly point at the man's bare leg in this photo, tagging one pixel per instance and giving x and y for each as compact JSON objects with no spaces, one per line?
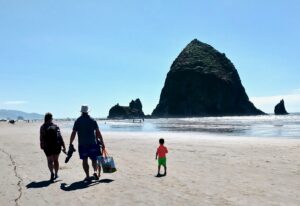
{"x":99,"y":171}
{"x":85,"y":166}
{"x":95,"y":167}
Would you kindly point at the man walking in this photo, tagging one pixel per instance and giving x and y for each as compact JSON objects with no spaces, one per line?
{"x":89,"y":137}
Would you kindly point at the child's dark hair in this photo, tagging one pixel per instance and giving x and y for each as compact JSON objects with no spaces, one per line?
{"x":161,"y":141}
{"x":48,"y":116}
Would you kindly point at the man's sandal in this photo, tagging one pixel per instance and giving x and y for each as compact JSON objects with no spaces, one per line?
{"x":96,"y":176}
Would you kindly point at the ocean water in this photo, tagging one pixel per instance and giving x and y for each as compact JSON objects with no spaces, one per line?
{"x":287,"y":126}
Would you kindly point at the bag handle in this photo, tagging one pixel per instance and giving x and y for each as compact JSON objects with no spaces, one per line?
{"x":105,"y":153}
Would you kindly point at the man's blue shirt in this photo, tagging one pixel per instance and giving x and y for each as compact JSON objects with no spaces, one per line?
{"x":85,"y":127}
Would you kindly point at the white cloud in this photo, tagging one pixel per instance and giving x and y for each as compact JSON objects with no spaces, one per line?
{"x":267,"y":103}
{"x":18,"y":102}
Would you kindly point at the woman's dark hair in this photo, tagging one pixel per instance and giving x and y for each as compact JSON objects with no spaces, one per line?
{"x":48,"y":116}
{"x":161,"y":141}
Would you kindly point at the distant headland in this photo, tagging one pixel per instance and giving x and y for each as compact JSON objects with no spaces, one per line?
{"x":19,"y":115}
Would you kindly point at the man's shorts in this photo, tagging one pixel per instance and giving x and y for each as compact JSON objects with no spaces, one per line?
{"x":162,"y":161}
{"x":92,"y":151}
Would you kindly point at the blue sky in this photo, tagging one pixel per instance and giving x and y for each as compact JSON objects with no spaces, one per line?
{"x":57,"y":55}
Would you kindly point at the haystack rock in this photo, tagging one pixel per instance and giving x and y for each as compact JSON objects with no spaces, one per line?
{"x":203,"y":82}
{"x":134,"y":110}
{"x":280,"y":108}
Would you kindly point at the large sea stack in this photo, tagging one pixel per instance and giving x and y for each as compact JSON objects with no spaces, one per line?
{"x":203,"y":82}
{"x":280,"y":108}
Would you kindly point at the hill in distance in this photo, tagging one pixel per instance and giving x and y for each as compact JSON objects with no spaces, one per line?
{"x":15,"y":114}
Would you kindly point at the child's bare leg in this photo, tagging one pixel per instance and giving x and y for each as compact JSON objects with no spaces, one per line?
{"x":158,"y":171}
{"x":165,"y":167}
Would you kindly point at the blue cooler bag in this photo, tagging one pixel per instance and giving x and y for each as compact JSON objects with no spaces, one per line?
{"x":107,"y":162}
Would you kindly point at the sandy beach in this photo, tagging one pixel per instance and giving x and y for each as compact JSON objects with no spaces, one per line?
{"x":202,"y":170}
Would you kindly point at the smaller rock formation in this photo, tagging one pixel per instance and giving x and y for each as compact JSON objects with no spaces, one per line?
{"x":134,"y":110}
{"x":280,"y":108}
{"x":137,"y":105}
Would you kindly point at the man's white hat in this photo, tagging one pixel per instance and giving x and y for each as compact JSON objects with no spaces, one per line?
{"x":84,"y":109}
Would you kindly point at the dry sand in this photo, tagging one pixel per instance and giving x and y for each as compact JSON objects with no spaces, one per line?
{"x":202,"y":170}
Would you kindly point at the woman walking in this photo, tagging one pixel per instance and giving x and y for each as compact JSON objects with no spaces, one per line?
{"x":51,"y":142}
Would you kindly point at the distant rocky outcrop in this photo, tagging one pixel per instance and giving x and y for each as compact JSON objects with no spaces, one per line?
{"x":280,"y":108}
{"x":203,"y":82}
{"x":11,"y":121}
{"x":134,"y":110}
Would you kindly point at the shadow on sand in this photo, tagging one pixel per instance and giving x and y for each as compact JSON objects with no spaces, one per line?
{"x":82,"y":184}
{"x":41,"y":184}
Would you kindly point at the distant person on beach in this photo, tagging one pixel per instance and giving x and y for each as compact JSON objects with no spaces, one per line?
{"x":89,"y":137}
{"x":51,"y":142}
{"x":162,"y":159}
